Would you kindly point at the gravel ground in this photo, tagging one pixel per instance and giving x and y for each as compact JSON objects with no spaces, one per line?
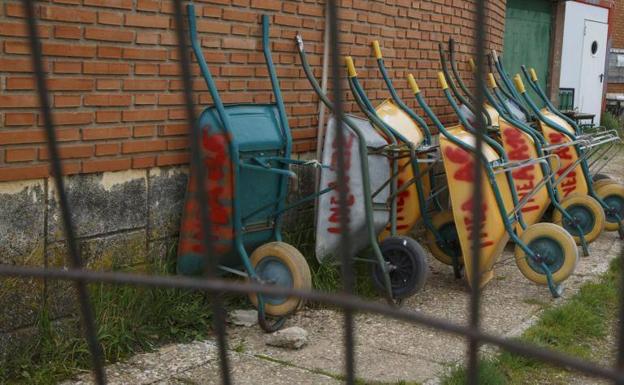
{"x":387,"y":350}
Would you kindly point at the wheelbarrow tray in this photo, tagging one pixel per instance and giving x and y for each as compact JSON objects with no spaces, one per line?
{"x":255,"y":132}
{"x":408,"y":206}
{"x":493,"y":114}
{"x":328,"y":232}
{"x":472,"y":119}
{"x":520,"y":146}
{"x":574,"y":181}
{"x":459,"y":167}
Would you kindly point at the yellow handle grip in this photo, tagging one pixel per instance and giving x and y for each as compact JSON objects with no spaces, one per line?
{"x":412,"y":83}
{"x":377,"y":49}
{"x":473,"y":66}
{"x":533,"y":74}
{"x":442,"y":80}
{"x":350,"y":66}
{"x":492,"y":80}
{"x":519,"y":84}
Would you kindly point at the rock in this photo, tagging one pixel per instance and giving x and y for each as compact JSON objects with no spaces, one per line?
{"x":291,"y":338}
{"x":245,"y":318}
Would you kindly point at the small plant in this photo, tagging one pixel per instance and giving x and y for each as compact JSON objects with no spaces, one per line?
{"x":610,"y":121}
{"x":326,"y":276}
{"x":489,"y":374}
{"x":129,"y":320}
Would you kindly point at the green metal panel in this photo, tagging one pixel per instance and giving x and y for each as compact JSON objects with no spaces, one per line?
{"x":528,"y":26}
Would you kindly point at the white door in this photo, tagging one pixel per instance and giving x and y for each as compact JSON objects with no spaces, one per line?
{"x":593,"y":56}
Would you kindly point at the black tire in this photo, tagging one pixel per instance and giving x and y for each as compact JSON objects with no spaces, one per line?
{"x":409,"y":266}
{"x":600,"y":176}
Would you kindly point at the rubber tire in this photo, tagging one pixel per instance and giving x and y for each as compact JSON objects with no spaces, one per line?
{"x":418,"y":259}
{"x":602,"y":182}
{"x":298,"y":268}
{"x":565,"y":241}
{"x":590,"y":204}
{"x":600,"y":176}
{"x":610,"y":190}
{"x":439,"y":220}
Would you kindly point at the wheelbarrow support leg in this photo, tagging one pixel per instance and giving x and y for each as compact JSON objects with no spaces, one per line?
{"x":262,"y":320}
{"x":556,"y":290}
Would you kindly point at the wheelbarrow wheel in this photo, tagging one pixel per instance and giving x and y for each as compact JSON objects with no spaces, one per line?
{"x":553,"y":246}
{"x":613,"y":195}
{"x":604,"y":180}
{"x":407,"y":262}
{"x":278,"y":263}
{"x":587,"y":215}
{"x":444,"y":223}
{"x":600,"y":176}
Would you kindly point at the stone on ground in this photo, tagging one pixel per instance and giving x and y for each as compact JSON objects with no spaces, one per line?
{"x":245,"y":318}
{"x":290,"y":338}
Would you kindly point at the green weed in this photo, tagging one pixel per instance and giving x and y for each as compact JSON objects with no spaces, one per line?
{"x":489,"y":374}
{"x":129,"y":320}
{"x":610,"y":121}
{"x":571,"y":328}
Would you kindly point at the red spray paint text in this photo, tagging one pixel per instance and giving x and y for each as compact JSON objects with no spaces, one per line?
{"x":334,"y":201}
{"x":568,"y":185}
{"x":466,"y":174}
{"x":524,"y":178}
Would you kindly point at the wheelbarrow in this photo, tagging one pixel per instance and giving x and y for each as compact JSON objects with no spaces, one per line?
{"x":604,"y":156}
{"x":441,"y":235}
{"x":592,"y":141}
{"x":545,"y":253}
{"x":507,"y":88}
{"x":583,"y":215}
{"x":247,"y":152}
{"x":399,"y":265}
{"x":573,"y":148}
{"x":577,"y":177}
{"x":466,"y":99}
{"x":407,"y":133}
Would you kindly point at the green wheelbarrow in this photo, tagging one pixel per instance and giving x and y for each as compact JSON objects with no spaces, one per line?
{"x":246,"y":149}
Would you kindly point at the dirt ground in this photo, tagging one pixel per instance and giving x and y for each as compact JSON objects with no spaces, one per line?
{"x":388,"y":351}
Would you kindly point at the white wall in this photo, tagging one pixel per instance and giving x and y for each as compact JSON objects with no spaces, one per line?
{"x":575,"y":15}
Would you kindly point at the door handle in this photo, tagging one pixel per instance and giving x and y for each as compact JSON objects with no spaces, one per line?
{"x":601,"y":77}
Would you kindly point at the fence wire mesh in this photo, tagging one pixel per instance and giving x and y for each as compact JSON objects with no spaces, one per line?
{"x":345,"y":300}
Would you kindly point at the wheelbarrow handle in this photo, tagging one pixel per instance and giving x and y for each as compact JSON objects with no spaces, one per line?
{"x":203,"y":66}
{"x":420,"y":122}
{"x":377,"y":49}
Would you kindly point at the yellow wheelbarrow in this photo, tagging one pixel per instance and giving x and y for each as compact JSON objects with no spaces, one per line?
{"x":415,"y":168}
{"x":545,"y":253}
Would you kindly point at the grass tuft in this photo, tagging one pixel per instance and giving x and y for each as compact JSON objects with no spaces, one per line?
{"x":489,"y":374}
{"x":139,"y":319}
{"x":326,"y":276}
{"x":610,"y":121}
{"x":571,"y":328}
{"x":129,"y":319}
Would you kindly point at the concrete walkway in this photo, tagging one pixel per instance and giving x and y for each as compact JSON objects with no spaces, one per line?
{"x":388,"y":351}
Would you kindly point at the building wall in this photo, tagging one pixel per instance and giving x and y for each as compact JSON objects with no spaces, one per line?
{"x":617,"y":24}
{"x":113,"y":70}
{"x":571,"y":57}
{"x":616,"y":74}
{"x":116,"y":96}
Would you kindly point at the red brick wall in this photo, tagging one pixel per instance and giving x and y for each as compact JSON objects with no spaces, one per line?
{"x":617,"y":24}
{"x":113,"y":71}
{"x":617,"y":38}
